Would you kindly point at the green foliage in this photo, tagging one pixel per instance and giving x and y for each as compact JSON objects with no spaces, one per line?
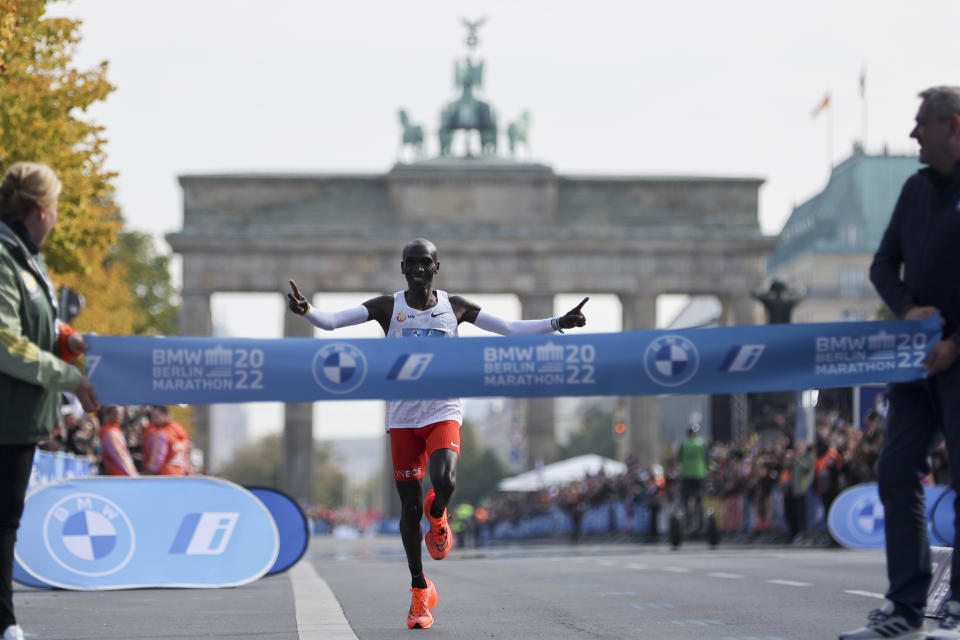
{"x":261,"y":463}
{"x":148,"y":278}
{"x":43,"y":98}
{"x":594,"y":436}
{"x":479,"y":469}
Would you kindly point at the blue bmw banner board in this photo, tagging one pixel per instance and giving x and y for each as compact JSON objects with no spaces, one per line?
{"x":20,"y":575}
{"x":941,"y":518}
{"x":856,"y":518}
{"x":184,"y":370}
{"x":123,"y":533}
{"x":292,"y":526}
{"x":53,"y":466}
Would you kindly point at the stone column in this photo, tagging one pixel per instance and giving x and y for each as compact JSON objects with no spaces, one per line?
{"x":541,"y":434}
{"x":297,"y":473}
{"x":642,"y":412}
{"x":195,"y":320}
{"x":740,"y":311}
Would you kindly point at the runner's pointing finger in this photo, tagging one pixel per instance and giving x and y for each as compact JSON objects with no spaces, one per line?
{"x":296,"y":292}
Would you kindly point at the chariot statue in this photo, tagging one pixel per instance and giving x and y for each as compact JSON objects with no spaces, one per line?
{"x":468,"y":112}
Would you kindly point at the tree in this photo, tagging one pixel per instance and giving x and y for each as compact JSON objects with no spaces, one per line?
{"x":146,"y":273}
{"x":44,"y":97}
{"x":261,"y":463}
{"x":594,"y":436}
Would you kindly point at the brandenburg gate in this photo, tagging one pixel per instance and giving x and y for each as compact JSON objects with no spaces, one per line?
{"x":501,"y":226}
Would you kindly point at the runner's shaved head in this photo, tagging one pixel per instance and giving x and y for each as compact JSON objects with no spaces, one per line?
{"x":421,"y":243}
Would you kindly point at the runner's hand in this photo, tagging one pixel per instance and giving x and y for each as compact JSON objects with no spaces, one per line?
{"x":574,"y":317}
{"x":298,"y":304}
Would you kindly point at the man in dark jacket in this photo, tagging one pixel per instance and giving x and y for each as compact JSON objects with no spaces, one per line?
{"x":916,"y":271}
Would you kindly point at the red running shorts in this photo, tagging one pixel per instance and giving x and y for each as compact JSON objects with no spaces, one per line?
{"x":410,"y":448}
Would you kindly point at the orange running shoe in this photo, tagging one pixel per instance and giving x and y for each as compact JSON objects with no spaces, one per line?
{"x":440,"y":538}
{"x":421,"y":601}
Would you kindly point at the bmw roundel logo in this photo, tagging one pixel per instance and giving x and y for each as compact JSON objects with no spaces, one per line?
{"x":89,"y":535}
{"x":339,"y":367}
{"x":865,"y":519}
{"x":671,"y":360}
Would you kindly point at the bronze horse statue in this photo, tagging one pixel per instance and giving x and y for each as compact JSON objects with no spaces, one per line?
{"x":519,"y":131}
{"x":412,"y":133}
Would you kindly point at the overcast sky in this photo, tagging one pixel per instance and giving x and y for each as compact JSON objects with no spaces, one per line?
{"x":694,"y":87}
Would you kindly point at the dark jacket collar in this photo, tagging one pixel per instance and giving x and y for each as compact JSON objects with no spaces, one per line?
{"x":939,"y":179}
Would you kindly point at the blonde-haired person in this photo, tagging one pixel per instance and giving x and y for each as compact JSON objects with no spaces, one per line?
{"x":34,"y":352}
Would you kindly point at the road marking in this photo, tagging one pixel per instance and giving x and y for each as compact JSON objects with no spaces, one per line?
{"x":637,"y":566}
{"x":676,"y":569}
{"x":605,"y":563}
{"x":729,"y":576}
{"x":869,"y":594}
{"x":652,"y":605}
{"x":790,"y":583}
{"x":319,"y":615}
{"x":698,"y":623}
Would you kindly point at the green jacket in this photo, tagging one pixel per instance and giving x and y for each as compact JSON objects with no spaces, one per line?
{"x":693,"y":459}
{"x":31,"y":373}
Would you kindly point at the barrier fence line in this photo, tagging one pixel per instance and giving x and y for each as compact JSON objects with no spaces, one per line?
{"x":194,"y":370}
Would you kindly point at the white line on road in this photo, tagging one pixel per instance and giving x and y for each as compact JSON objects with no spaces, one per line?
{"x":676,"y":569}
{"x":319,"y":616}
{"x":790,"y":583}
{"x":869,"y":594}
{"x":728,"y":576}
{"x":637,"y":566}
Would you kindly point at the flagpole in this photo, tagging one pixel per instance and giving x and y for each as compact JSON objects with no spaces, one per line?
{"x":863,"y":108}
{"x":830,"y":136}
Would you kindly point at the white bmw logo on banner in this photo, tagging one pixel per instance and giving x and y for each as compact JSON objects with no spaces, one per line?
{"x":671,"y":360}
{"x":88,"y":535}
{"x":339,"y":367}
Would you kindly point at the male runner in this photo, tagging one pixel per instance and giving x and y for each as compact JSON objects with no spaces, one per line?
{"x":422,"y":429}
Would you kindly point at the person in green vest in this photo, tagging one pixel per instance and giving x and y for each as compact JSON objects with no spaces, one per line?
{"x":692,"y":456}
{"x":35,"y":348}
{"x":462,"y":520}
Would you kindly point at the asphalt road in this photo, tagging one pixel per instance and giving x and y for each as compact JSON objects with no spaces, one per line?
{"x":556,"y":591}
{"x":610,"y":591}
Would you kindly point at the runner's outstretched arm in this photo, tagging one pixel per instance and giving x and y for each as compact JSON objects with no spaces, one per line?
{"x":328,"y":320}
{"x":495,"y":324}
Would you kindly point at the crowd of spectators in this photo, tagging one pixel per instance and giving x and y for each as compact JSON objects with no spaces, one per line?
{"x":770,"y":483}
{"x":122,"y":452}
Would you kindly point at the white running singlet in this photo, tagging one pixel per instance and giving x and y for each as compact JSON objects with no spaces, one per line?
{"x":436,"y":322}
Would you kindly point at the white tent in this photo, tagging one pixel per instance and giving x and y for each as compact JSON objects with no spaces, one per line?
{"x":563,"y":472}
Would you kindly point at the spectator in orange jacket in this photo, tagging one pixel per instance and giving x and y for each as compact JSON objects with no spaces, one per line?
{"x":115,"y":458}
{"x":166,"y":447}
